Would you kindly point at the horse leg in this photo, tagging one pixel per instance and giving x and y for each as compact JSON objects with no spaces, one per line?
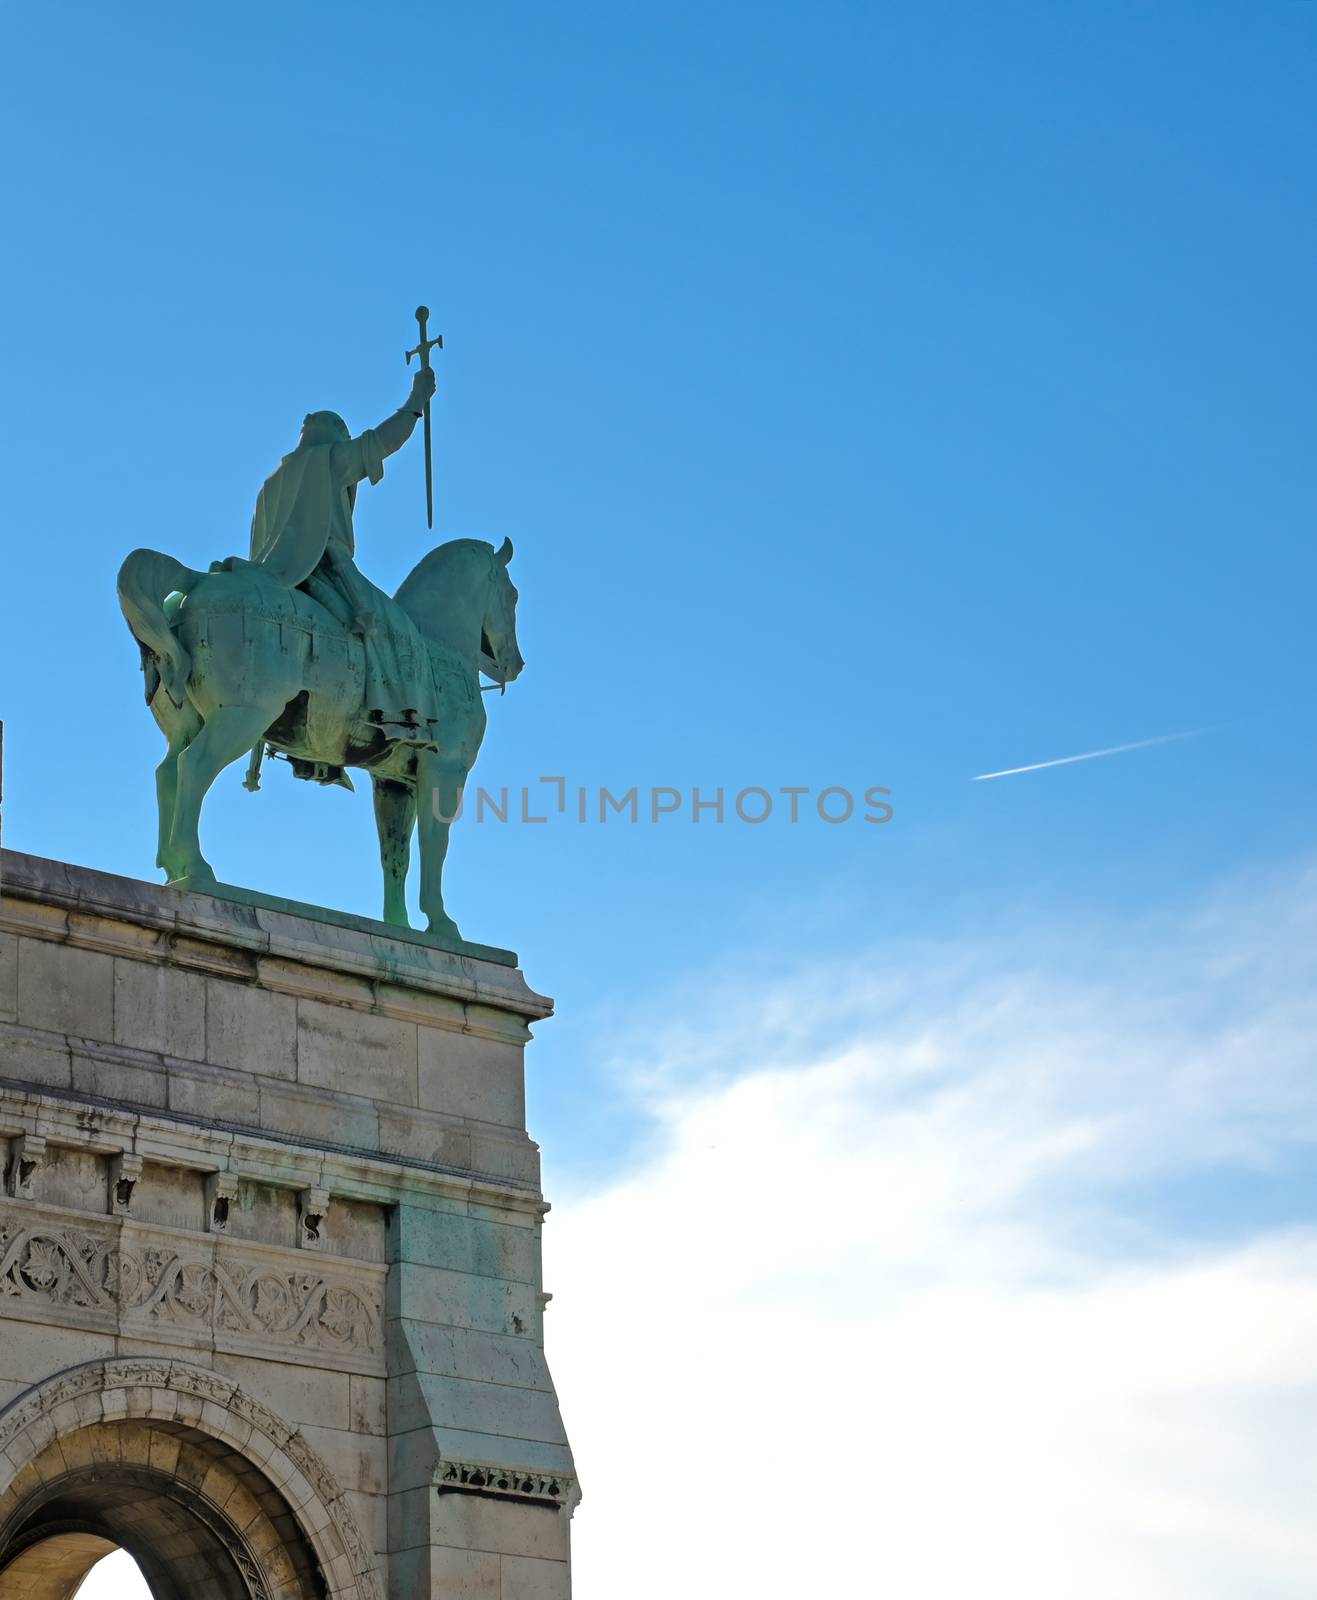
{"x":395,"y":817}
{"x":439,"y":783}
{"x":229,"y":732}
{"x":185,"y":725}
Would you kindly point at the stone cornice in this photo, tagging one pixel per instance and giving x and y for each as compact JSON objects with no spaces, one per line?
{"x":80,"y":1122}
{"x":223,"y":935}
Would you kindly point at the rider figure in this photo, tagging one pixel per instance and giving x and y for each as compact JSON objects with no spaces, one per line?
{"x":302,"y":537}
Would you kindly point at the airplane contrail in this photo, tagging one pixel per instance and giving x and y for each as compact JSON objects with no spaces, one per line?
{"x":1089,"y":755}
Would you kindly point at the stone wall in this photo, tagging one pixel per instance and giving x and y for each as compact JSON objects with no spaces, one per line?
{"x":291,"y":1152}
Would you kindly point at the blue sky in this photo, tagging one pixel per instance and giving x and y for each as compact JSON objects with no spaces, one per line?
{"x":874,"y":395}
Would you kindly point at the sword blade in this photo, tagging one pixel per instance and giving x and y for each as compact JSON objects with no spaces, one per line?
{"x":429,"y":471}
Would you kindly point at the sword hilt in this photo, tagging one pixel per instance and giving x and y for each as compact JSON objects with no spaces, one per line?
{"x":426,"y":345}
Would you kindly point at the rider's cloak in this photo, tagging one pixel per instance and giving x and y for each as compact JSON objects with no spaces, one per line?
{"x":304,"y":505}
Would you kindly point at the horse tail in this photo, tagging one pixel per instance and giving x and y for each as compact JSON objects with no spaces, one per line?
{"x":146,"y":581}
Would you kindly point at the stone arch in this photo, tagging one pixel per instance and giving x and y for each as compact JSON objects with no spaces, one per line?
{"x":207,"y":1489}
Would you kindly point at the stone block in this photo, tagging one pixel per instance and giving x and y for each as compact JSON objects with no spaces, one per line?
{"x":413,"y":1457}
{"x":409,"y":1575}
{"x":525,"y":1578}
{"x":8,"y":978}
{"x":372,"y":1517}
{"x":367,"y":1404}
{"x":159,"y":1350}
{"x":44,"y":1059}
{"x":172,"y":1197}
{"x":302,"y":1396}
{"x":65,"y":990}
{"x":467,"y":1352}
{"x":490,"y":1408}
{"x":435,"y":1010}
{"x":408,"y":1408}
{"x":359,"y":1230}
{"x":251,"y":1029}
{"x":213,"y":1094}
{"x":464,"y":1575}
{"x":264,"y":1214}
{"x":315,"y":1115}
{"x":463,"y":1075}
{"x":127,"y":1083}
{"x":466,"y":1243}
{"x":461,"y":1300}
{"x":10,"y":1390}
{"x":356,"y":1053}
{"x":32,"y":1351}
{"x":358,"y":1462}
{"x":423,"y":1138}
{"x":159,"y":1007}
{"x":534,"y":1455}
{"x":515,"y":1159}
{"x":472,"y":1522}
{"x":409,"y":1518}
{"x":74,"y":1178}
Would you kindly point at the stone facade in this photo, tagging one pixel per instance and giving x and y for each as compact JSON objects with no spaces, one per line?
{"x":271,"y":1311}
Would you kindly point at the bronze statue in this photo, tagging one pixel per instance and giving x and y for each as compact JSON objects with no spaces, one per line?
{"x":293,"y":649}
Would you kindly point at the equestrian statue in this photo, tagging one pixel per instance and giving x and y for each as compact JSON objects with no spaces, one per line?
{"x":293,"y":651}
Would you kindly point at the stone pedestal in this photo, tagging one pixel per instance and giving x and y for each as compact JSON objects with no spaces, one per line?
{"x":269,"y":1254}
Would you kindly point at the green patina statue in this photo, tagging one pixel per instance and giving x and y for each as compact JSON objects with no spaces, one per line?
{"x":294,"y":650}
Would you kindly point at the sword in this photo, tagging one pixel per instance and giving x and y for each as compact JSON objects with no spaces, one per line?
{"x":423,"y":350}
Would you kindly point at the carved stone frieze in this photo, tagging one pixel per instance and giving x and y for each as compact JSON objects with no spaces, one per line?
{"x":475,"y":1477}
{"x":168,"y":1285}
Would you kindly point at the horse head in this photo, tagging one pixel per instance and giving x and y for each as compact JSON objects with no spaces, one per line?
{"x":461,"y":595}
{"x":500,"y":655}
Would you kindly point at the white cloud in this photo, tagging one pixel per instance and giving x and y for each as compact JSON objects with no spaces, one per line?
{"x":962,"y":1299}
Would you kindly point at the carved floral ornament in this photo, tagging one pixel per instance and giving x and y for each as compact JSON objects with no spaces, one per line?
{"x":145,"y":1389}
{"x":90,"y":1270}
{"x":466,"y":1477}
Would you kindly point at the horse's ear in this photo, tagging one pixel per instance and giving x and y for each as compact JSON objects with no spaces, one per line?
{"x":504,"y":552}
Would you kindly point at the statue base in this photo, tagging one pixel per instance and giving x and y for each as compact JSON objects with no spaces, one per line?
{"x":347,"y":919}
{"x":271,"y":1306}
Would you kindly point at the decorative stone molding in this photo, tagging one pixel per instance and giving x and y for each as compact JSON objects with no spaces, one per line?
{"x":477,"y":1477}
{"x":125,"y":1170}
{"x":312,"y":1213}
{"x":221,"y":1196}
{"x":171,"y":1287}
{"x":27,"y":1156}
{"x":180,"y":1141}
{"x":142,"y":1389}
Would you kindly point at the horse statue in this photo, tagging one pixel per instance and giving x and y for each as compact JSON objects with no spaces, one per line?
{"x":236,"y":661}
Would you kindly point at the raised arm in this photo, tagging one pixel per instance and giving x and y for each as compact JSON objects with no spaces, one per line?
{"x":362,"y":457}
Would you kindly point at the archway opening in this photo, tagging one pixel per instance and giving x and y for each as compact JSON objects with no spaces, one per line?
{"x":200,"y":1521}
{"x":75,"y":1566}
{"x":114,"y":1577}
